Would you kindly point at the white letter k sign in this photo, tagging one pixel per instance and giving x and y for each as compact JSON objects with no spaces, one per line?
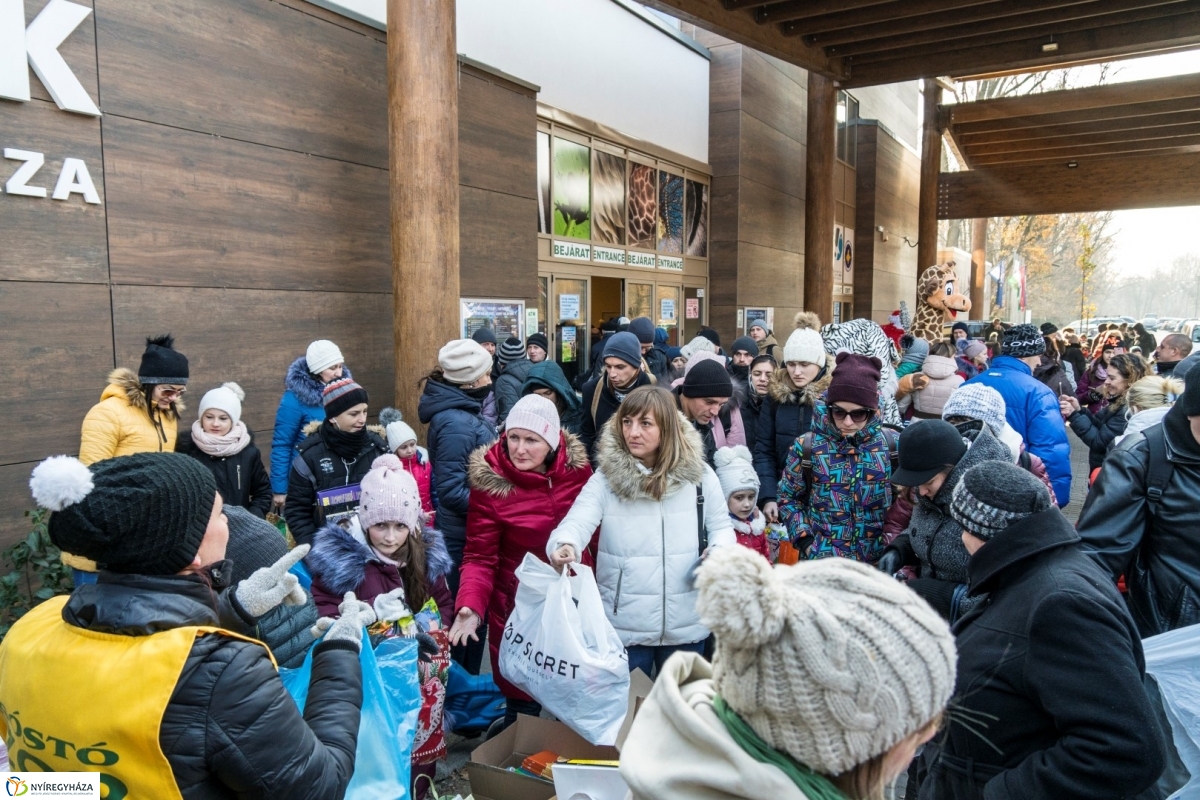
{"x":39,"y":44}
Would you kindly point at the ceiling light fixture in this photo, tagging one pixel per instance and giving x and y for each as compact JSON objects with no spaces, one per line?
{"x":1050,"y":47}
{"x":1072,"y":164}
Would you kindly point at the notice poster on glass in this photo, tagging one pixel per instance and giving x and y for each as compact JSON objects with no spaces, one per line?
{"x":692,"y":308}
{"x":752,"y":314}
{"x":666,"y":310}
{"x":568,"y":307}
{"x":570,"y":345}
{"x":504,"y":317}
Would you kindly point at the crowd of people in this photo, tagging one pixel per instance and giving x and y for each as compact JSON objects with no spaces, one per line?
{"x":828,"y":602}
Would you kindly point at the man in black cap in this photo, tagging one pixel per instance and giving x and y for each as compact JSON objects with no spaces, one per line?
{"x":537,"y":348}
{"x":705,"y":390}
{"x":144,"y":663}
{"x":1049,"y":699}
{"x":655,"y":358}
{"x":1142,"y":517}
{"x":486,"y":338}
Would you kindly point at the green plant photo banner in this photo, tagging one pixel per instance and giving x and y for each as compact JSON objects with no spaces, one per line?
{"x":572,"y":189}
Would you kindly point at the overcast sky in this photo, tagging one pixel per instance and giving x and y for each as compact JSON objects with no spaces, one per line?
{"x":1151,"y":238}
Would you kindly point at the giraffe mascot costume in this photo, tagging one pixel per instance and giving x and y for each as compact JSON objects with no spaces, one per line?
{"x":938,"y":302}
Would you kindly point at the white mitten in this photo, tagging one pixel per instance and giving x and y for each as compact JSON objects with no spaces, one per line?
{"x":266,"y":588}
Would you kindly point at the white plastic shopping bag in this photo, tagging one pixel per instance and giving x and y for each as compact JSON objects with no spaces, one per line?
{"x":1173,"y":659}
{"x":561,"y":650}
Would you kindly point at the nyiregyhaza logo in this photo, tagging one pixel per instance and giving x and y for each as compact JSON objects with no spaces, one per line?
{"x":38,"y":785}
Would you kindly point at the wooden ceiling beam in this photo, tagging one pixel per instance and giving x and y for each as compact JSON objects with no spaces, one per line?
{"x":1174,"y":87}
{"x":738,"y":5}
{"x":1124,"y":125}
{"x":1097,"y":184}
{"x":849,"y":18}
{"x":1065,"y":142}
{"x":802,"y":9}
{"x":739,"y":26}
{"x":1063,"y":154}
{"x":931,"y":26}
{"x":1012,"y":28}
{"x":1131,"y":111}
{"x":1138,"y":37}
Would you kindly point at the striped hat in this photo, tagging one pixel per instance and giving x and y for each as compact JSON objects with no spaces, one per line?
{"x":511,"y":350}
{"x":996,"y":494}
{"x":341,"y":396}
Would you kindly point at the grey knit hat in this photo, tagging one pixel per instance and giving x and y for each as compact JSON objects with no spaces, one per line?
{"x":253,"y":544}
{"x":829,"y":661}
{"x":994,"y":495}
{"x":977,"y":401}
{"x":1023,"y":341}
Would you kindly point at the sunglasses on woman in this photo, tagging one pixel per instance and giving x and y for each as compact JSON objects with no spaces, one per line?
{"x":168,"y":392}
{"x":858,"y":415}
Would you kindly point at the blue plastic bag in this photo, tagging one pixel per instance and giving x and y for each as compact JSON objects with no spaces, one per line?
{"x":391,"y":700}
{"x":473,"y":702}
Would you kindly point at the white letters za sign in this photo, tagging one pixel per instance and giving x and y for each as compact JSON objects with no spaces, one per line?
{"x":39,"y":44}
{"x":73,"y":177}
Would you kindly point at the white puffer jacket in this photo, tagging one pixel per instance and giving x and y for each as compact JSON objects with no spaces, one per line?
{"x":647,"y":547}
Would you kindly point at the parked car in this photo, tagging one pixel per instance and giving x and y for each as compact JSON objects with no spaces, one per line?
{"x":976,"y":328}
{"x":1150,"y":322}
{"x":1191,"y":329}
{"x":1169,"y":325}
{"x":1090,"y":326}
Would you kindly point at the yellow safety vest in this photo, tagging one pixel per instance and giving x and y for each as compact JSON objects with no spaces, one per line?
{"x":74,"y":700}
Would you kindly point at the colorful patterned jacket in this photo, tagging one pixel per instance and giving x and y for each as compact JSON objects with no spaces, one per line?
{"x":841,"y":513}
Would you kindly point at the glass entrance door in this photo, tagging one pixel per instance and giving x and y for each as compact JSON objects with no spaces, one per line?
{"x":667,"y":311}
{"x":569,"y":312}
{"x":639,"y":300}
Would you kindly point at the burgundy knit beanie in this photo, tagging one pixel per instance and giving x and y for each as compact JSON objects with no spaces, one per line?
{"x":855,"y":380}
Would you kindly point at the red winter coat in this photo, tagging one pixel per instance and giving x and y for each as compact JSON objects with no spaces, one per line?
{"x":419,"y":466}
{"x":512,"y":513}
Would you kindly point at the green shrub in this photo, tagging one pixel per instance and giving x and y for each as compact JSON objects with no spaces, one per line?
{"x":37,"y":572}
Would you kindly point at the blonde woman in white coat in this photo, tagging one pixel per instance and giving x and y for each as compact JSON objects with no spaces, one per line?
{"x":644,"y":499}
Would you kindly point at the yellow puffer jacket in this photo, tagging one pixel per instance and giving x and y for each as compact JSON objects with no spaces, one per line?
{"x":120,"y":425}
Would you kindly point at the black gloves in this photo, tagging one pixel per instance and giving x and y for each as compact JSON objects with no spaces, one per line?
{"x":891,"y":561}
{"x":939,"y":594}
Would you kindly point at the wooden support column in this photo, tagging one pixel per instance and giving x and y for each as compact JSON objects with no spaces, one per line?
{"x":423,"y":163}
{"x":978,"y":267}
{"x":818,"y":196}
{"x":931,"y":167}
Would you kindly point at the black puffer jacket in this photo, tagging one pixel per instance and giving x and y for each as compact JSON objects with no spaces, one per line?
{"x":786,"y":415}
{"x":241,"y":478}
{"x":659,"y":363}
{"x":1098,"y":430}
{"x":317,"y":468}
{"x":1048,"y":700}
{"x":604,"y":407}
{"x":508,"y":387}
{"x":1159,"y":555}
{"x":230,"y":729}
{"x":933,"y":540}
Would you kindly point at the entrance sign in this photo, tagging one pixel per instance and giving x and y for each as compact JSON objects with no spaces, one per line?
{"x":38,"y":44}
{"x":641,"y":260}
{"x":72,"y":178}
{"x":608,"y":255}
{"x":580,"y":252}
{"x":670,"y":262}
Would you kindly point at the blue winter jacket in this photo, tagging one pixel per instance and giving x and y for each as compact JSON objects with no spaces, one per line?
{"x":456,"y":428}
{"x":1032,"y":411}
{"x":301,"y":404}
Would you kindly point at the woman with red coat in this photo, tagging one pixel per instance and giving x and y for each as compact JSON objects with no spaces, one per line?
{"x":521,"y":489}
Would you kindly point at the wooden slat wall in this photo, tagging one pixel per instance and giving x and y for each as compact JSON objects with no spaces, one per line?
{"x":243,"y":173}
{"x":887,"y":181}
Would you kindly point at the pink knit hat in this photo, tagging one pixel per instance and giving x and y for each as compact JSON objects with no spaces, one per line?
{"x":538,"y":415}
{"x":389,"y":494}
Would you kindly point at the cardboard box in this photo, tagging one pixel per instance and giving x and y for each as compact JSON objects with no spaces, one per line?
{"x":488,"y":768}
{"x":572,"y":781}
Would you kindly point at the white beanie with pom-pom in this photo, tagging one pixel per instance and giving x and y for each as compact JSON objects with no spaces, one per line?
{"x":735,"y":470}
{"x":830,"y":661}
{"x":398,"y":431}
{"x":227,"y":397}
{"x":805,"y":343}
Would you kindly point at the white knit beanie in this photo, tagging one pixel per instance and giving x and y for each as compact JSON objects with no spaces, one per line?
{"x":698,"y":345}
{"x":804,"y":344}
{"x":537,"y":415}
{"x":398,"y":433}
{"x":227,"y":397}
{"x":830,"y":661}
{"x":464,"y":361}
{"x":735,"y":470}
{"x":322,"y":354}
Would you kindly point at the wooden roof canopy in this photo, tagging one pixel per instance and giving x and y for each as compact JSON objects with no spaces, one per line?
{"x":868,"y":42}
{"x":1125,"y":145}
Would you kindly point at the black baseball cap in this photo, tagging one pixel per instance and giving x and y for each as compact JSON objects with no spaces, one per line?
{"x":927,"y":448}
